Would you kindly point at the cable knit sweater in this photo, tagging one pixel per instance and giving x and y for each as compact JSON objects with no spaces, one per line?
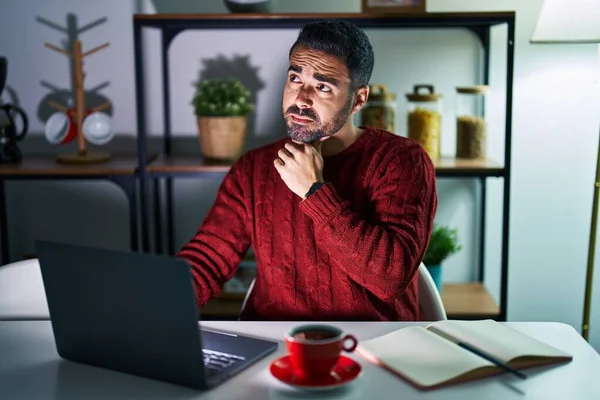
{"x":350,"y":251}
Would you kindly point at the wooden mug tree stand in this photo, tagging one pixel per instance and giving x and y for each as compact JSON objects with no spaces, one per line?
{"x":82,"y":156}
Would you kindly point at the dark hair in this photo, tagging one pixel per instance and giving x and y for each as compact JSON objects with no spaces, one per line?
{"x":344,"y":40}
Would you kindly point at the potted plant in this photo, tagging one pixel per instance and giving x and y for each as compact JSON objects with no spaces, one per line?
{"x":443,"y":243}
{"x":221,"y":108}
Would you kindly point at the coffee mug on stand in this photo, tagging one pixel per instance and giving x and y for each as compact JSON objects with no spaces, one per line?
{"x":97,"y":128}
{"x":60,"y":127}
{"x":315,"y":349}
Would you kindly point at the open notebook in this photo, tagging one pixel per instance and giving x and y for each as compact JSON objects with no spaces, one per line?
{"x":430,"y":358}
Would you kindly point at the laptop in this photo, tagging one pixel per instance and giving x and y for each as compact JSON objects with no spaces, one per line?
{"x":136,"y":313}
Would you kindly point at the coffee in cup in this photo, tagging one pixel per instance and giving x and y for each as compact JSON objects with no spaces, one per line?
{"x":315,"y":349}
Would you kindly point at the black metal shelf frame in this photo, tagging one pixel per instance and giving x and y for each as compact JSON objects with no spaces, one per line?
{"x":171,"y":25}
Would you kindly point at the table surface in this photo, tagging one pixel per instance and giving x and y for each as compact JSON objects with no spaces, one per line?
{"x":30,"y":368}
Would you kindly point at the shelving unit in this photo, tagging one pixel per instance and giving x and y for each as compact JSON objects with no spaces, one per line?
{"x":470,"y":300}
{"x":459,"y":300}
{"x":121,"y":170}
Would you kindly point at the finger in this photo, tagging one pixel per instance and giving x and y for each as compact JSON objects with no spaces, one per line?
{"x":293,"y":148}
{"x":278,"y":163}
{"x":301,"y":146}
{"x":317,"y":144}
{"x":284,"y":154}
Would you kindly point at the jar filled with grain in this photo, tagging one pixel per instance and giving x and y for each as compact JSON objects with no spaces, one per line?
{"x":380,"y":109}
{"x":425,"y":118}
{"x":471,"y":135}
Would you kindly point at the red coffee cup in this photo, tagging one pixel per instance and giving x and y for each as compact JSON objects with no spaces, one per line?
{"x":61,"y":128}
{"x":315,"y":349}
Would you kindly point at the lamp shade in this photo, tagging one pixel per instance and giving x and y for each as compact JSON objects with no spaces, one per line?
{"x":568,"y":21}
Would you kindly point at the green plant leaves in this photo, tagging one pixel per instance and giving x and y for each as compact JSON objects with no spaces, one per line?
{"x":221,"y":98}
{"x":443,"y":243}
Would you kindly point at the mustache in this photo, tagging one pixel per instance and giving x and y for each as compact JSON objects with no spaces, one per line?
{"x":307,"y":112}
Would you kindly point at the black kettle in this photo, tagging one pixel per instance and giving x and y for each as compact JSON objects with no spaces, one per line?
{"x":9,"y":151}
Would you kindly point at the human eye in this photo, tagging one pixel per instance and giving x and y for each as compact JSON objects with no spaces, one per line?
{"x":324,"y":88}
{"x":294,"y":78}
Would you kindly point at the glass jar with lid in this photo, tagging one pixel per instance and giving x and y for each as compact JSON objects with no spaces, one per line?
{"x":471,"y":127}
{"x":425,"y":118}
{"x":380,"y":109}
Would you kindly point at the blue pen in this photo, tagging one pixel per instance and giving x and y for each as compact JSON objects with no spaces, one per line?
{"x":499,"y":363}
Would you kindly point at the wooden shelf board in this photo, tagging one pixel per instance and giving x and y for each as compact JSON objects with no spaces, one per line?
{"x":483,"y":166}
{"x":460,"y":299}
{"x":196,"y":164}
{"x":222,"y":308}
{"x":46,"y":165}
{"x":190,"y":164}
{"x":252,"y":16}
{"x":466,"y":299}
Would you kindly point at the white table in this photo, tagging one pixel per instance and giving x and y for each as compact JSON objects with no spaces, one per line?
{"x":30,"y":368}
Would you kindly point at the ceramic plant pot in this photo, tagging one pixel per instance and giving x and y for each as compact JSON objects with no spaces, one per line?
{"x":222,"y":138}
{"x":436,"y":273}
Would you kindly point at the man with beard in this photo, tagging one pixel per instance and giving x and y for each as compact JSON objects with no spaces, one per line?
{"x":339,"y":216}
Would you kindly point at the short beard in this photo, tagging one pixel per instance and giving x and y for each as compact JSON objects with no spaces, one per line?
{"x":303,"y":134}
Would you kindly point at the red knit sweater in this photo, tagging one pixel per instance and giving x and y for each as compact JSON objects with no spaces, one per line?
{"x":348,"y":252}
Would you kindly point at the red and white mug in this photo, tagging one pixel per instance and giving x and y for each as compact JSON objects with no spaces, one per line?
{"x":97,"y":127}
{"x":60,"y":127}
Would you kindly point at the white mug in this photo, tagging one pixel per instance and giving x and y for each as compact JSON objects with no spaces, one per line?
{"x":97,"y":128}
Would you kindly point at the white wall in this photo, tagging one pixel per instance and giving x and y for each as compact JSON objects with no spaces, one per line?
{"x":555,"y":132}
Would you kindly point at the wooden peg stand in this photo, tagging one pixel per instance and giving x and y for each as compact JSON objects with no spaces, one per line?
{"x":82,"y":156}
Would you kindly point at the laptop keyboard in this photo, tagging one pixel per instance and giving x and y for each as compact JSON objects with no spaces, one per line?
{"x":215,"y":361}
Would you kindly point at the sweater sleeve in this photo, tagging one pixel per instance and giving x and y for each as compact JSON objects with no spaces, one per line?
{"x":222,"y":239}
{"x":380,"y":251}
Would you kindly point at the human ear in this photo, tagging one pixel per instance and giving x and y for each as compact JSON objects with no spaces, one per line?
{"x":360,"y":98}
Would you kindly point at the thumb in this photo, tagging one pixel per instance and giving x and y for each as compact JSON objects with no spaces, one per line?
{"x":317,"y":144}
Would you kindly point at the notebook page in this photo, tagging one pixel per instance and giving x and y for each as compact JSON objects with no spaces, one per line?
{"x":497,"y":339}
{"x":422,"y":356}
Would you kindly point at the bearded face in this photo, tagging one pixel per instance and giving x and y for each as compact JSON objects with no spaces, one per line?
{"x":317,"y":99}
{"x":304,"y":125}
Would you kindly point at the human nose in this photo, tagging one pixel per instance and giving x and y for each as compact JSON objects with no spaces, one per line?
{"x":303,"y":99}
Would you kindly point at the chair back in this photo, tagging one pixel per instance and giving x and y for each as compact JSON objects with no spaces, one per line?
{"x":22,"y":292}
{"x":247,"y":295}
{"x":430,"y":301}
